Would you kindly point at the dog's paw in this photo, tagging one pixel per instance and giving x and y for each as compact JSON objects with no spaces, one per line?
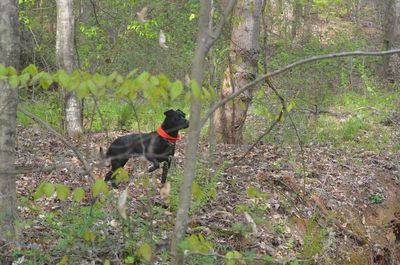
{"x":165,"y":193}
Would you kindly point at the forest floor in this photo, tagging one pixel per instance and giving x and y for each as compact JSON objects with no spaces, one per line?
{"x":348,"y":214}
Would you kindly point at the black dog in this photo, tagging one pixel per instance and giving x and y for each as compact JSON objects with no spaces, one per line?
{"x":157,"y":147}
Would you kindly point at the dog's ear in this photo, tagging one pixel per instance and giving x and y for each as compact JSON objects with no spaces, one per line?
{"x":180,"y":112}
{"x":169,"y":112}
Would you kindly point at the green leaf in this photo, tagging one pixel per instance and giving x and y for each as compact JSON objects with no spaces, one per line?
{"x":145,"y":252}
{"x":176,"y":89}
{"x":24,"y":78}
{"x":63,"y":261}
{"x":234,"y":257}
{"x":154,"y":81}
{"x":121,"y":175}
{"x":39,"y":192}
{"x":13,"y":81}
{"x":129,"y":260}
{"x":48,"y":189}
{"x":196,"y":89}
{"x":192,"y":16}
{"x":252,"y":192}
{"x":3,"y":70}
{"x":30,"y":69}
{"x":89,"y":236}
{"x":78,"y":194}
{"x":74,"y":80}
{"x":62,"y":78}
{"x":196,"y":243}
{"x":99,"y":187}
{"x":142,"y":78}
{"x":229,"y":261}
{"x":132,"y":73}
{"x":11,"y":71}
{"x":291,"y":105}
{"x":83,"y":89}
{"x":268,"y":258}
{"x":62,"y":192}
{"x":45,"y":80}
{"x":106,"y":262}
{"x":99,"y":80}
{"x":196,"y":190}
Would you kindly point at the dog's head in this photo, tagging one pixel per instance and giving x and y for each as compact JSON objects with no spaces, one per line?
{"x":175,"y":120}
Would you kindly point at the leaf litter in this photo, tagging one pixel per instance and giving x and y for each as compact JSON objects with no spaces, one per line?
{"x":347,"y":195}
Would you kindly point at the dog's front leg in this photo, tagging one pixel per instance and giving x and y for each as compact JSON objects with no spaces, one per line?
{"x":156,"y":165}
{"x":166,"y":166}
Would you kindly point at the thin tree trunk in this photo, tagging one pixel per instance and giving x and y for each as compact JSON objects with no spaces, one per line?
{"x":9,"y":55}
{"x":244,"y":54}
{"x":197,"y":74}
{"x":391,"y":30}
{"x":67,"y":61}
{"x":297,"y":14}
{"x":205,"y":40}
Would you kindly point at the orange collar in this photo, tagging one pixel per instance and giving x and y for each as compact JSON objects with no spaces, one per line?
{"x":165,"y":135}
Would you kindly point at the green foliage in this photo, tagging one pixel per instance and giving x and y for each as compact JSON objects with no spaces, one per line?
{"x":234,"y":257}
{"x":196,"y":243}
{"x":203,"y":190}
{"x":62,"y":192}
{"x":99,"y":187}
{"x":239,"y":228}
{"x":258,"y":204}
{"x":121,"y":175}
{"x":145,"y":252}
{"x":78,"y":194}
{"x":313,"y":239}
{"x":376,"y":199}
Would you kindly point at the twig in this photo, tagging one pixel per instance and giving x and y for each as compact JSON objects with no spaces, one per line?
{"x":95,"y":13}
{"x":62,"y":138}
{"x":259,"y":138}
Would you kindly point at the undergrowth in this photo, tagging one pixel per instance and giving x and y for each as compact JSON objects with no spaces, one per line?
{"x":347,"y":120}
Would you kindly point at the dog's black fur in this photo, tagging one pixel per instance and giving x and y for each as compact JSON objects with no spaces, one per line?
{"x":155,"y":148}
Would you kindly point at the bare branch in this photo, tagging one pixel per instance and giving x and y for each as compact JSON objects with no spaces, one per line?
{"x":85,"y":164}
{"x":288,"y":67}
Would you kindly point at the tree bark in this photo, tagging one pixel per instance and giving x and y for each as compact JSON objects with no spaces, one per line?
{"x":9,"y":56}
{"x":205,"y":39}
{"x":66,"y":60}
{"x":244,"y":53}
{"x":391,"y":32}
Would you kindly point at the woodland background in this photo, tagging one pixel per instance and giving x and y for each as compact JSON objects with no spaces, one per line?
{"x":301,"y":168}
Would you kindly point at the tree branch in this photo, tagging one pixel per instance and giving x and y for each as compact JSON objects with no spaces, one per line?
{"x":285,"y":69}
{"x":85,"y":164}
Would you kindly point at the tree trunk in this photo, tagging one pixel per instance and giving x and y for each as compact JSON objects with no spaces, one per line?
{"x":297,"y":15}
{"x":244,"y":52}
{"x":66,"y":60}
{"x":204,"y":43}
{"x":391,"y":31}
{"x":9,"y":55}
